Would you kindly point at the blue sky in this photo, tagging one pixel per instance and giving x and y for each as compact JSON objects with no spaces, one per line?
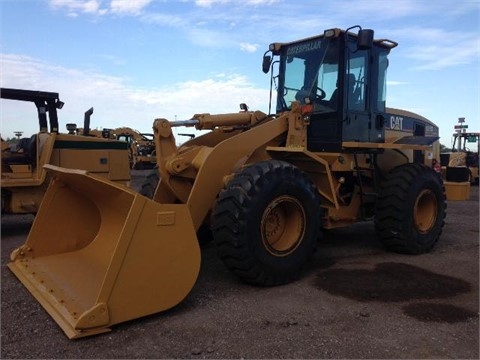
{"x":137,"y":60}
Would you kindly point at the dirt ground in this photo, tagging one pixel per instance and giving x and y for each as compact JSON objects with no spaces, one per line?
{"x":355,"y":301}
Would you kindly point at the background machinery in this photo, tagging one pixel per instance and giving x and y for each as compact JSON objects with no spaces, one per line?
{"x":266,"y":185}
{"x":141,"y":145}
{"x":462,"y":162}
{"x":24,"y":179}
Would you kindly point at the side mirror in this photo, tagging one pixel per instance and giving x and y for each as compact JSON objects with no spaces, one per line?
{"x":365,"y":39}
{"x":267,"y":61}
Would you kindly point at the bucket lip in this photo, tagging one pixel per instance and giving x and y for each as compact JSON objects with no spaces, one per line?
{"x":52,"y":310}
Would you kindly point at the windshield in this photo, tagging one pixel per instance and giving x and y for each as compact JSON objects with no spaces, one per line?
{"x":310,"y":70}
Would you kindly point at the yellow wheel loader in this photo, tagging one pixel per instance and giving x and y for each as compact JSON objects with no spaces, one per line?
{"x":24,"y":180}
{"x":266,"y":185}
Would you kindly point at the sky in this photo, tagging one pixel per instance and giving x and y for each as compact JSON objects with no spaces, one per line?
{"x":137,"y":60}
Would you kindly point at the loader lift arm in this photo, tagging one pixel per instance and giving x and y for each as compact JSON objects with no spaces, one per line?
{"x":194,"y":174}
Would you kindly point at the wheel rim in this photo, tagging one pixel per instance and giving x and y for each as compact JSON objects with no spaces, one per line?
{"x":283,"y":225}
{"x":425,"y":213}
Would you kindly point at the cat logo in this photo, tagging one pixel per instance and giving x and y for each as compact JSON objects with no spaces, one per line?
{"x":396,"y":122}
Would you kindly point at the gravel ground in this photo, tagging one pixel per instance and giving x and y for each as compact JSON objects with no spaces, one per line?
{"x":355,"y":301}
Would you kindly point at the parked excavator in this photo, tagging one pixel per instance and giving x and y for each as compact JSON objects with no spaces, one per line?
{"x":266,"y":185}
{"x":24,"y":179}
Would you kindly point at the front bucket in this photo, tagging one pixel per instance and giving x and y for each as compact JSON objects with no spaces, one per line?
{"x":99,"y":254}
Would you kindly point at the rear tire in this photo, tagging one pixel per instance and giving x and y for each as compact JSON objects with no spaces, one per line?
{"x":411,"y":209}
{"x":266,"y":223}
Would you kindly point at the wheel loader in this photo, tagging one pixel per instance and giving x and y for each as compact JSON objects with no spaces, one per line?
{"x":264,"y":185}
{"x":24,"y":180}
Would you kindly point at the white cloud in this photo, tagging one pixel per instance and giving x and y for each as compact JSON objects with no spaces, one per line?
{"x":248,"y":47}
{"x":128,"y":6}
{"x":114,"y":60}
{"x":73,"y":7}
{"x":97,"y":7}
{"x":209,"y":38}
{"x":115,"y":100}
{"x":163,"y":19}
{"x":396,"y":83}
{"x":209,"y":3}
{"x":435,"y":49}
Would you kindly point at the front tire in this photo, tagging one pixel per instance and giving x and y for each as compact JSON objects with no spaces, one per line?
{"x":150,"y":183}
{"x":411,"y":209}
{"x":266,"y":223}
{"x":204,"y":234}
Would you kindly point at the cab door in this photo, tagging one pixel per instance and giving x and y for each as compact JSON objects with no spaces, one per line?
{"x":356,"y":113}
{"x":364,"y":91}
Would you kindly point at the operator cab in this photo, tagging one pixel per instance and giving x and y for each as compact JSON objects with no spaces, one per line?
{"x":343,"y":76}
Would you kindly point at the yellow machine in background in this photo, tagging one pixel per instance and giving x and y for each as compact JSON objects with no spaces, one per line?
{"x":5,"y":146}
{"x":266,"y":185}
{"x":24,"y":179}
{"x":141,"y":145}
{"x":463,"y":156}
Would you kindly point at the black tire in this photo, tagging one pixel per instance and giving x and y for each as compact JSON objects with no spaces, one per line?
{"x":204,"y":234}
{"x":473,"y":180}
{"x":150,"y":183}
{"x":411,"y":209}
{"x":266,"y":223}
{"x":140,"y":166}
